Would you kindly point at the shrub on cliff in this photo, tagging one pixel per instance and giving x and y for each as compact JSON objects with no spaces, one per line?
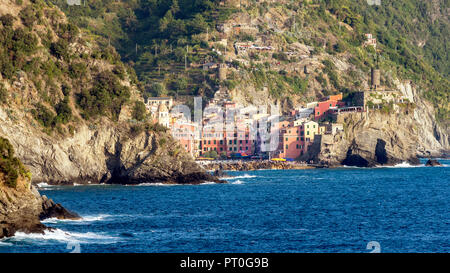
{"x":3,"y":94}
{"x":139,"y":110}
{"x":10,"y":166}
{"x":106,"y":97}
{"x":43,"y":115}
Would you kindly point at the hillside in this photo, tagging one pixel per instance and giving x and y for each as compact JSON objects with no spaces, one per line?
{"x":71,"y":107}
{"x":159,"y":39}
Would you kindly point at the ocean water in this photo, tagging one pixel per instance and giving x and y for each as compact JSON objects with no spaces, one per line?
{"x":401,"y":209}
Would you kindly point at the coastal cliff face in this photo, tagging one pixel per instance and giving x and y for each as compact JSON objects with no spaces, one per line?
{"x":104,"y":152}
{"x":73,"y":111}
{"x":368,"y":140}
{"x":21,"y":205}
{"x":383,"y":138}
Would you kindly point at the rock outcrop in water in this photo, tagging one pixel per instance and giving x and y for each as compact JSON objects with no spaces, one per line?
{"x":105,"y":153}
{"x":368,"y":140}
{"x":433,"y":163}
{"x":21,"y":205}
{"x":378,"y":137}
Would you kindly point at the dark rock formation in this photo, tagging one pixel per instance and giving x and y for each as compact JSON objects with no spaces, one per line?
{"x":433,"y":163}
{"x":22,"y":209}
{"x":21,"y":205}
{"x":52,"y":210}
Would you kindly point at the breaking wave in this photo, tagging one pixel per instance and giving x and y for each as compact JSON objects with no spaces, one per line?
{"x":239,"y":177}
{"x":85,"y":219}
{"x":64,"y":236}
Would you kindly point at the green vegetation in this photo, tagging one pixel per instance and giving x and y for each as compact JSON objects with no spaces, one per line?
{"x":3,"y":94}
{"x":157,"y":38}
{"x":10,"y":166}
{"x":106,"y":97}
{"x":139,"y":111}
{"x":412,"y":40}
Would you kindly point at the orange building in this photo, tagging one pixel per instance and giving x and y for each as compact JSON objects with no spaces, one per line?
{"x":296,"y":140}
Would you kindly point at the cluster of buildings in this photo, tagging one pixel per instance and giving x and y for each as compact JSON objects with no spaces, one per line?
{"x":228,"y":130}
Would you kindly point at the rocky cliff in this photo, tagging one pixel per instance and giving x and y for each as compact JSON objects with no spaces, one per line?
{"x":368,"y":140}
{"x":21,"y":205}
{"x":379,"y":137}
{"x":104,"y":152}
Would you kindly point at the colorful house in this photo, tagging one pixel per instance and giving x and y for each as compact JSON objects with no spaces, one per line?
{"x":322,"y":108}
{"x":296,"y":140}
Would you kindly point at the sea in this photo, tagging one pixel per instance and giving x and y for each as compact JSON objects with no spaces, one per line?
{"x":386,"y":209}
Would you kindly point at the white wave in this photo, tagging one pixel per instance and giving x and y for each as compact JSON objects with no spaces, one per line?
{"x":88,"y":218}
{"x":63,"y":236}
{"x":5,"y":244}
{"x":239,"y":177}
{"x":237,"y":182}
{"x":400,"y":165}
{"x":208,"y":183}
{"x":45,"y":185}
{"x":154,"y":184}
{"x":403,"y":165}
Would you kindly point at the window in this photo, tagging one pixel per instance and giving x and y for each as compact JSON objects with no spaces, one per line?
{"x":297,"y":146}
{"x":209,"y":142}
{"x":287,"y":146}
{"x":240,"y":141}
{"x":221,"y":142}
{"x":221,"y":149}
{"x":204,"y":141}
{"x":307,"y":132}
{"x":230,"y":142}
{"x":287,"y":139}
{"x":214,"y":141}
{"x":246,"y":142}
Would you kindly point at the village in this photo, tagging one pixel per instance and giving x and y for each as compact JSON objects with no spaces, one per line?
{"x":228,"y":130}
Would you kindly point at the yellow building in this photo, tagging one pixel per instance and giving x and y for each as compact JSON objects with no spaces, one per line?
{"x":310,"y":129}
